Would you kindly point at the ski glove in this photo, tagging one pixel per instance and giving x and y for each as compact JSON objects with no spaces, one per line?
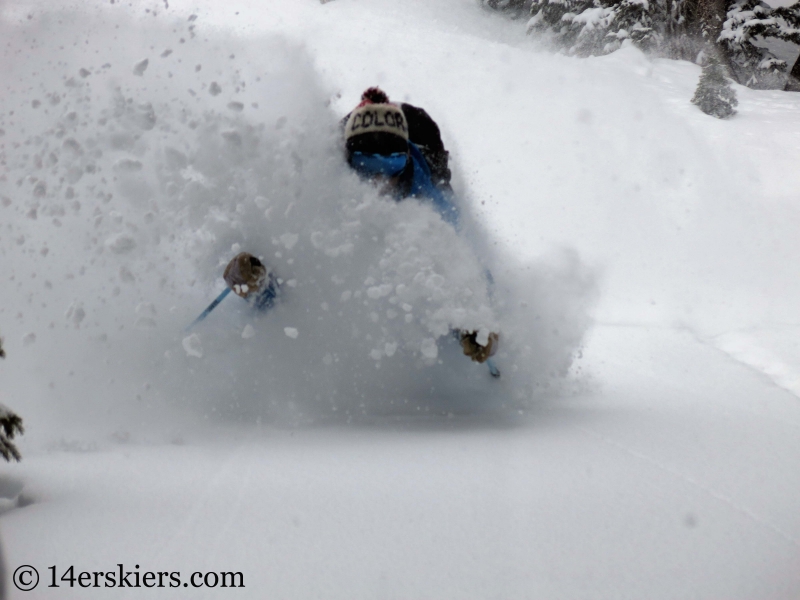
{"x":245,"y":274}
{"x":474,"y":350}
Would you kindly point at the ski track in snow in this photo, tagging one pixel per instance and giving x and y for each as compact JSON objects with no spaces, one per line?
{"x":227,"y":477}
{"x":692,"y":481}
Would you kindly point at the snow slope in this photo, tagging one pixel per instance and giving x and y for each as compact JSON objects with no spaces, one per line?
{"x":606,"y":495}
{"x":326,"y":465}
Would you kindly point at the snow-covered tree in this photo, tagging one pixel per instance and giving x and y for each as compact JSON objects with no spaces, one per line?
{"x":592,"y":27}
{"x":747,"y":24}
{"x":515,"y":7}
{"x":684,"y":29}
{"x":10,"y":426}
{"x":714,"y":94}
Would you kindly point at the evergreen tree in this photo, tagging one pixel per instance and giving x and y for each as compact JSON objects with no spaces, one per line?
{"x":793,"y":81}
{"x":747,"y":24}
{"x":714,"y":94}
{"x":734,"y":29}
{"x":595,"y":27}
{"x":10,"y":426}
{"x":515,"y":7}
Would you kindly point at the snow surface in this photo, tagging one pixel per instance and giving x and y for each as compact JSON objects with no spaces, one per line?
{"x":643,"y":440}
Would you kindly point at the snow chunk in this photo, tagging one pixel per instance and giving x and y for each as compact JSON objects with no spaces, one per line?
{"x":289,"y":240}
{"x":147,"y":312}
{"x":145,"y":323}
{"x":75,"y":313}
{"x":429,"y":348}
{"x":126,"y":275}
{"x":128,"y":165}
{"x":146,"y":308}
{"x":380,"y":291}
{"x":193,"y":346}
{"x":248,"y":332}
{"x":121,"y":243}
{"x":291,"y":332}
{"x":140,"y":67}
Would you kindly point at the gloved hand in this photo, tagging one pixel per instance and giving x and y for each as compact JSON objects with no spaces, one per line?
{"x":474,"y":350}
{"x":245,"y":275}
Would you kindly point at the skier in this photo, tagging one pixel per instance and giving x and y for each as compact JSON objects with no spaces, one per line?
{"x":399,"y":149}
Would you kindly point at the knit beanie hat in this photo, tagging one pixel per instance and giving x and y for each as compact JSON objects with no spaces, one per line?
{"x":376,"y":126}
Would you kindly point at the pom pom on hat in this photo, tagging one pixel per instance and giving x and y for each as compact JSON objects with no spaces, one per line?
{"x":374,"y":95}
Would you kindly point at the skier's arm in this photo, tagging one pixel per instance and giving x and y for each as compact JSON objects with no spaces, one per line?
{"x":424,"y":132}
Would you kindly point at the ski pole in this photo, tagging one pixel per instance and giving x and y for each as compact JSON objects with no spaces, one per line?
{"x":211,"y":307}
{"x":493,"y":370}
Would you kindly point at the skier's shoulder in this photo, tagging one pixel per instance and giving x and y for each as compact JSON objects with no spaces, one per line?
{"x":422,"y":129}
{"x":424,"y":132}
